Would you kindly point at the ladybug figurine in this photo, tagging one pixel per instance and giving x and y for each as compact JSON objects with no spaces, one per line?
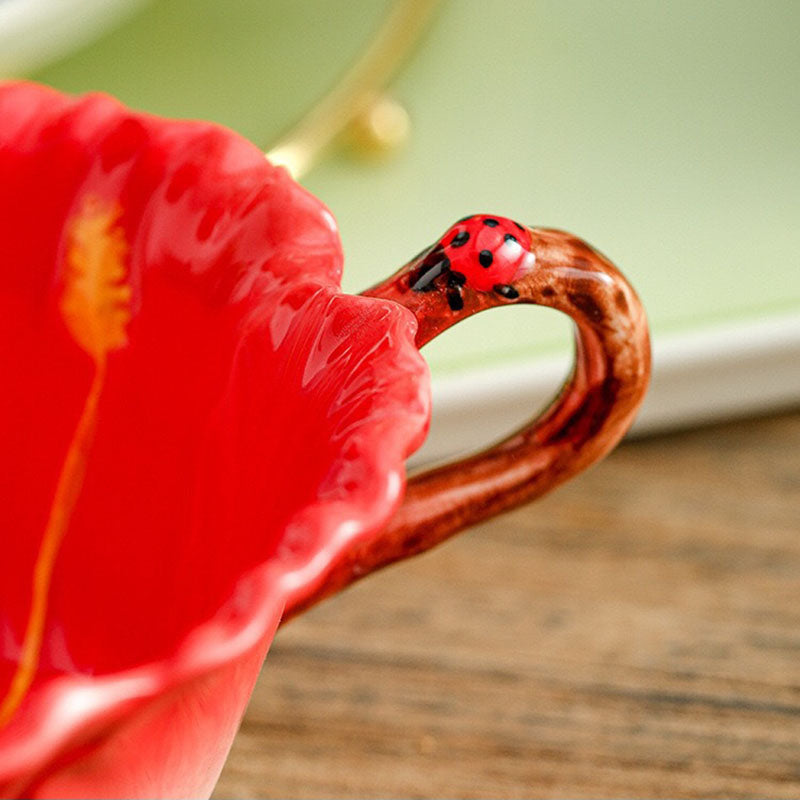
{"x":482,"y":252}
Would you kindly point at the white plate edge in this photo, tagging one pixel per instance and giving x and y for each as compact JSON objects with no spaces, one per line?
{"x":714,"y":373}
{"x":35,"y":32}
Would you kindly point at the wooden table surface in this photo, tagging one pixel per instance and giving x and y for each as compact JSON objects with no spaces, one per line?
{"x":635,"y":633}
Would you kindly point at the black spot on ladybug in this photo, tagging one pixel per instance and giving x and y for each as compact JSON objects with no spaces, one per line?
{"x":587,"y":304}
{"x":455,"y":301}
{"x":455,"y":279}
{"x":492,"y":223}
{"x":509,"y":237}
{"x":435,"y":263}
{"x":464,"y":219}
{"x":506,"y":291}
{"x":486,"y":258}
{"x":425,"y":282}
{"x":460,"y":239}
{"x":519,"y":226}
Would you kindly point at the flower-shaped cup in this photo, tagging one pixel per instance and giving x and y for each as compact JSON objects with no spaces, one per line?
{"x":202,"y":435}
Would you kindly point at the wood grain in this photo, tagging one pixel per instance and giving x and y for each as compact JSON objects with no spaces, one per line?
{"x":636,"y":633}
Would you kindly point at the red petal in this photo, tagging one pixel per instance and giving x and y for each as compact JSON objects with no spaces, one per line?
{"x":251,"y":421}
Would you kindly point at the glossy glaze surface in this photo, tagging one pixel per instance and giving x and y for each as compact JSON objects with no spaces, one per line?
{"x":196,"y":421}
{"x":202,"y":434}
{"x":590,"y":415}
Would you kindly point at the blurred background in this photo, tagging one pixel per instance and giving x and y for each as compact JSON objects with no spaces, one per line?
{"x":664,"y":134}
{"x":636,"y":633}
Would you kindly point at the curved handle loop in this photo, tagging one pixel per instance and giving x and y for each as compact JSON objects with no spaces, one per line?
{"x":587,"y":418}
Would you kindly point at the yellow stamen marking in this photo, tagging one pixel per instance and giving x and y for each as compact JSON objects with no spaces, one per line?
{"x":95,"y":306}
{"x":96,"y":301}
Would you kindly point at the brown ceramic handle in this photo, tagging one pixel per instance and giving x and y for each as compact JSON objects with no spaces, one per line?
{"x":589,"y":416}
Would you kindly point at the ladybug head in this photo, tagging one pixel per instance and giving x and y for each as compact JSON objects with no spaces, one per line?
{"x":482,"y":252}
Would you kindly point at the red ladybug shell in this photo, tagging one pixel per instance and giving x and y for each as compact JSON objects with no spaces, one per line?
{"x":487,"y":250}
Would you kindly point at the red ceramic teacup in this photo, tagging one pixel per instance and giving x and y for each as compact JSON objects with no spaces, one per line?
{"x":201,"y":435}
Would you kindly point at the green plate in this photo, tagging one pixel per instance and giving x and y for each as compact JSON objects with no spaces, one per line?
{"x":667,"y":134}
